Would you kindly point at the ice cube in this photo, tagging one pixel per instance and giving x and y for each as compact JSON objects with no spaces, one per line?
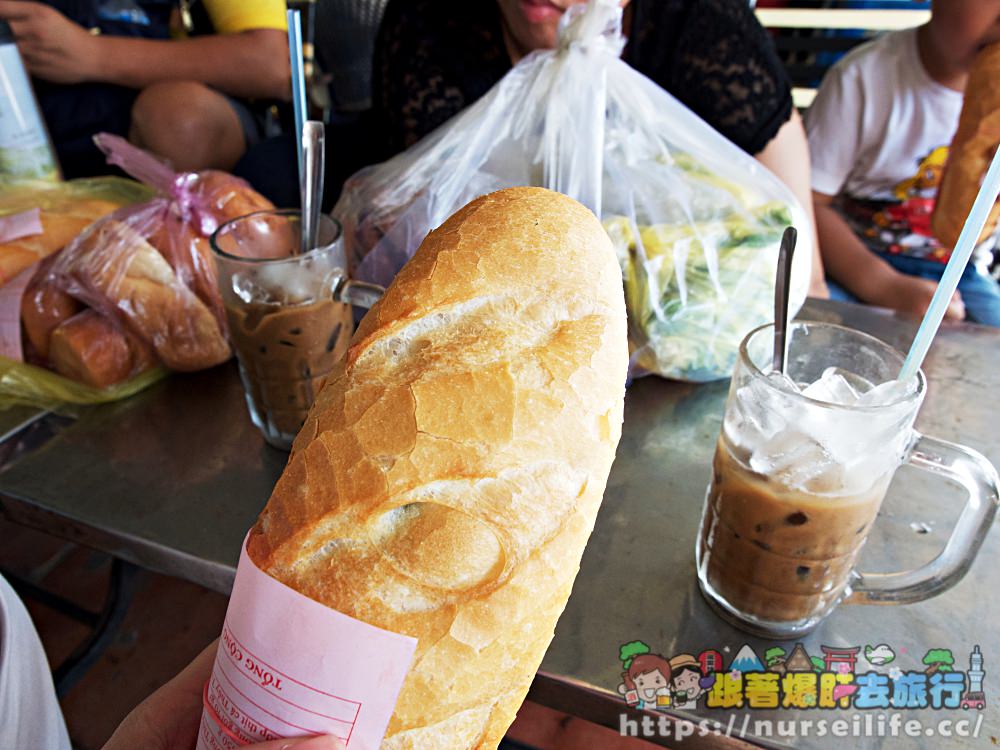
{"x":245,"y":287}
{"x":771,"y":454}
{"x":821,"y":450}
{"x":782,"y":381}
{"x":287,"y":283}
{"x":793,"y":459}
{"x":830,"y":480}
{"x":760,"y":412}
{"x":888,"y":392}
{"x":835,"y":386}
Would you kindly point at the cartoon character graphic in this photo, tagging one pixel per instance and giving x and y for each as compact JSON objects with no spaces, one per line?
{"x":924,"y":183}
{"x":907,"y":224}
{"x":880,"y":655}
{"x":646,"y":679}
{"x":688,"y":683}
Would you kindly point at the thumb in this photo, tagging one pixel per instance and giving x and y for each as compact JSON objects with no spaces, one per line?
{"x":302,"y":743}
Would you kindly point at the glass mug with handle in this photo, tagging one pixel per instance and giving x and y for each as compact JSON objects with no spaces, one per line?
{"x":289,"y":313}
{"x":800,"y":473}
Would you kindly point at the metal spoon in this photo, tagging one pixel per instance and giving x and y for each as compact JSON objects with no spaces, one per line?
{"x":313,"y":159}
{"x":782,"y":285}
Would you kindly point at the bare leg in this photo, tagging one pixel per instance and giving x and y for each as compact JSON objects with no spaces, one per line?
{"x":191,"y":125}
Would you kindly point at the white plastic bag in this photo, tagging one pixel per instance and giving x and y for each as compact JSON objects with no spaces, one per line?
{"x":695,"y":220}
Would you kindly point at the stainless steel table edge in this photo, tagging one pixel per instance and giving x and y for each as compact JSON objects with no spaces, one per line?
{"x":134,"y":549}
{"x":604,"y":708}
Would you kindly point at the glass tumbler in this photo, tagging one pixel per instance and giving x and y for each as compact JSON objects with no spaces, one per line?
{"x":289,"y":313}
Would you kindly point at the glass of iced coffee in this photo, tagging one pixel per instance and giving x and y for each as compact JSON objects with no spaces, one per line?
{"x":802,"y":464}
{"x":289,"y":313}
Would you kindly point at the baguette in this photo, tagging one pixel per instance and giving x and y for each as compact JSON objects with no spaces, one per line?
{"x":446,"y":481}
{"x":971,"y":151}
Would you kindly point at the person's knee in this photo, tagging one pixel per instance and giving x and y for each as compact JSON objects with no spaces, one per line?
{"x":188,"y":123}
{"x":173,"y":112}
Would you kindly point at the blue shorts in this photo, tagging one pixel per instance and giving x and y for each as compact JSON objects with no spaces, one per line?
{"x":251,"y":120}
{"x":980,"y":293}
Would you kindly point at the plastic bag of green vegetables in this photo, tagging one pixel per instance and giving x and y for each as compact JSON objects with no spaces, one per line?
{"x":697,"y":236}
{"x":694,"y":289}
{"x":696,"y":220}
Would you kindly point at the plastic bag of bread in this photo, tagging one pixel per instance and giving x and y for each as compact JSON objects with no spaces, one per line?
{"x":696,"y":221}
{"x":407,"y":573}
{"x":136,"y":290}
{"x":63,"y":210}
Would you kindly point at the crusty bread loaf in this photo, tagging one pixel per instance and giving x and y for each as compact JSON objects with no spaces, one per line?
{"x":971,"y":150}
{"x":114,"y":263}
{"x":446,"y":480}
{"x":91,"y":349}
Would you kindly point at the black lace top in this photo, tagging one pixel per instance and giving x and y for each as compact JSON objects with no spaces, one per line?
{"x":434,"y":58}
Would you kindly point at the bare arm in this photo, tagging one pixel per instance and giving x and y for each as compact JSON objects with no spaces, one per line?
{"x":865,"y":275}
{"x":847,"y":260}
{"x":250,"y":64}
{"x":787,"y":155}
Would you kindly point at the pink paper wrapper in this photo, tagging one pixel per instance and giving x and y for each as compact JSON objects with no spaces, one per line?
{"x":10,"y":314}
{"x":287,"y":666}
{"x":24,"y":224}
{"x":14,"y":227}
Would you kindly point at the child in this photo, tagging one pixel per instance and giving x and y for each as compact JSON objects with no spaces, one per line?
{"x":878,"y":132}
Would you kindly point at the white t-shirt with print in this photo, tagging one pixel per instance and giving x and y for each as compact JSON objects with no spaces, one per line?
{"x":877,"y":116}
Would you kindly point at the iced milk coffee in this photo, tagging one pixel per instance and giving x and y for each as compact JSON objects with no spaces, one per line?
{"x":802,"y":464}
{"x":779,"y":552}
{"x":285,"y":353}
{"x":287,"y":325}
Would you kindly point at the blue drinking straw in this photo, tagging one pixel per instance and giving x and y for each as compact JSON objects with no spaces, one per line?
{"x":973,"y":227}
{"x":298,"y":79}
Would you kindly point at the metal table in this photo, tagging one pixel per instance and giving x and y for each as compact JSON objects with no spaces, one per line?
{"x":172,"y":478}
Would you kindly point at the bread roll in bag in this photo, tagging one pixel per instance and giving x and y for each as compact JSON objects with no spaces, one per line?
{"x":91,"y":349}
{"x":971,"y":150}
{"x":448,"y":476}
{"x":114,"y":269}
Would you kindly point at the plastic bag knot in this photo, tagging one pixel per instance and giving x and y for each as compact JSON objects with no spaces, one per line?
{"x":191,"y":203}
{"x":597,"y":25}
